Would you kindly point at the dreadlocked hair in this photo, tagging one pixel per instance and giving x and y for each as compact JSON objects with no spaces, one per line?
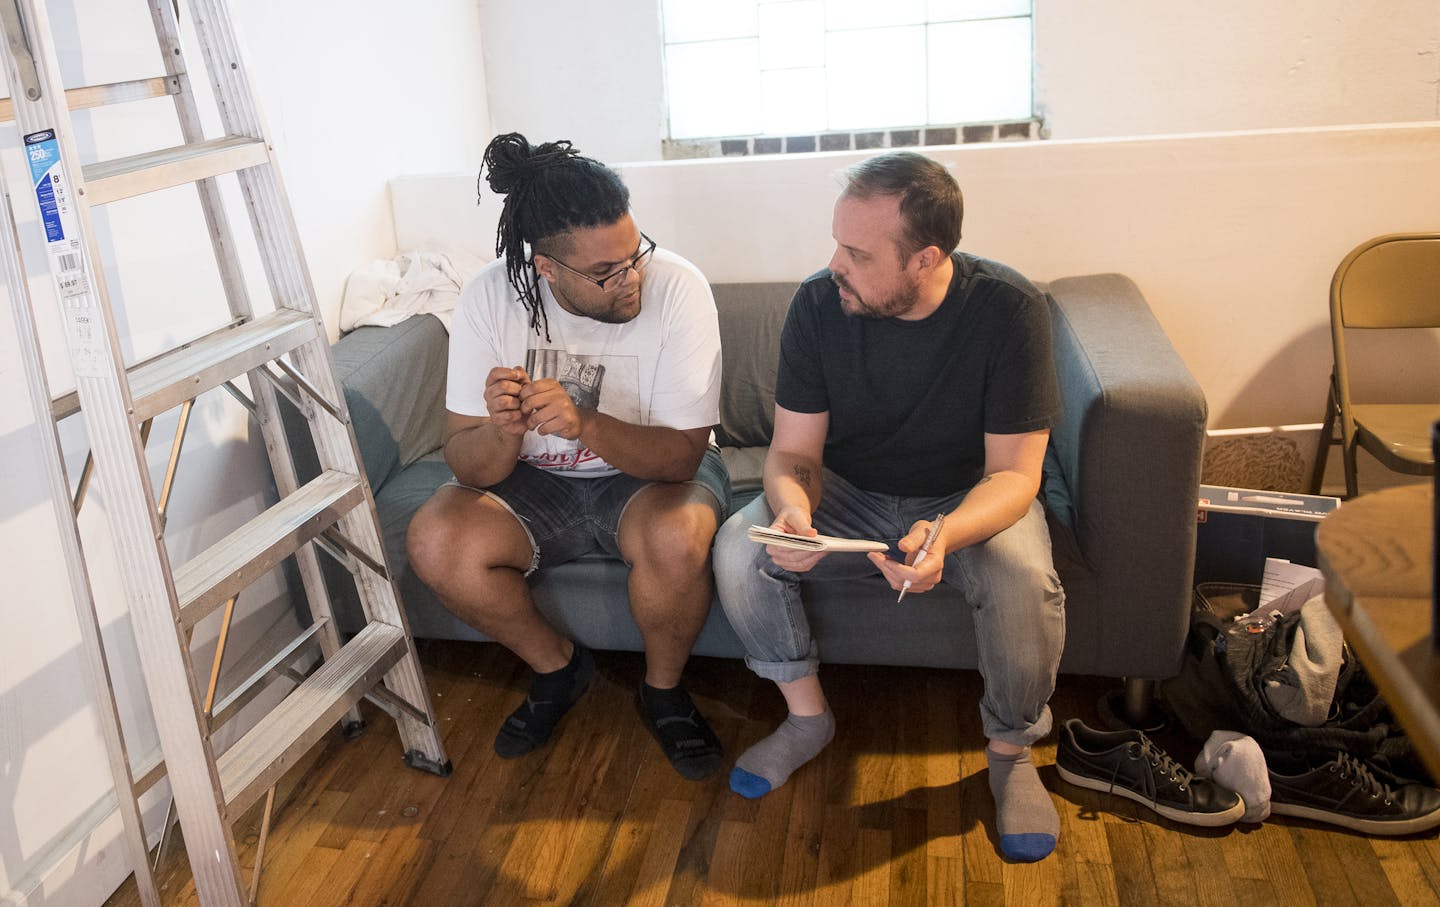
{"x":549,"y":189}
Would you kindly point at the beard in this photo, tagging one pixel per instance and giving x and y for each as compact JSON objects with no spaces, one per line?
{"x":897,"y":303}
{"x":607,"y":311}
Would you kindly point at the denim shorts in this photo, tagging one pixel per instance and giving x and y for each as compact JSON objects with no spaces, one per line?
{"x":567,"y":518}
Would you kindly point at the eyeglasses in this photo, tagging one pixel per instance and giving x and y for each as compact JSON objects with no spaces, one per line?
{"x":615,"y":278}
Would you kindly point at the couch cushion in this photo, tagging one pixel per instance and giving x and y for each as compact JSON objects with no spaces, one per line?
{"x":746,"y":466}
{"x":751,"y":315}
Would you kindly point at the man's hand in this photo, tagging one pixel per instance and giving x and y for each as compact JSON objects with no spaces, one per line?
{"x":503,"y":387}
{"x":796,"y":521}
{"x":922,"y":578}
{"x":549,"y":410}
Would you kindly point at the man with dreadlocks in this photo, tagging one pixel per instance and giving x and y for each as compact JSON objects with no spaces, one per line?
{"x":584,"y":380}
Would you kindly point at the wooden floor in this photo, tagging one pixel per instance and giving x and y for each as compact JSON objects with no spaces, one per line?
{"x":896,"y":811}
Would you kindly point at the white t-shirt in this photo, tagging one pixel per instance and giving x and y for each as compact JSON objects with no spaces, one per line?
{"x":660,"y":368}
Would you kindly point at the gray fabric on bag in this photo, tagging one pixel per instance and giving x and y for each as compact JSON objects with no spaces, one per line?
{"x":1305,"y":687}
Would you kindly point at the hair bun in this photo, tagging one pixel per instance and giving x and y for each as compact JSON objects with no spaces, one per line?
{"x":511,"y":161}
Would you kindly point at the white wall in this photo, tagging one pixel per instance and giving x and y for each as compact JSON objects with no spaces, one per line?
{"x":584,"y":71}
{"x":1117,"y":68}
{"x":592,"y":72}
{"x":1231,"y":237}
{"x":352,"y":96}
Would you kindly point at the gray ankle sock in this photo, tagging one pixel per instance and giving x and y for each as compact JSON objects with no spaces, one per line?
{"x":766,"y":765}
{"x":1024,"y":812}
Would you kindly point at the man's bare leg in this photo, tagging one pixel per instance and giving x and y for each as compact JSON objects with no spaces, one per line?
{"x":665,"y":535}
{"x":473,"y":553}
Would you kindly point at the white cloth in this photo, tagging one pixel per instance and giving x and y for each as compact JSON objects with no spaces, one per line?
{"x":1235,"y":762}
{"x":660,"y":368}
{"x":387,"y":291}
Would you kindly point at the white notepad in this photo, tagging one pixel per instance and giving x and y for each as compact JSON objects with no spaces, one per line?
{"x":766,"y":536}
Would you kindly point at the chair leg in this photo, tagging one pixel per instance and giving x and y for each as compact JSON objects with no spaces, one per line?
{"x":1327,"y":438}
{"x":1348,"y":453}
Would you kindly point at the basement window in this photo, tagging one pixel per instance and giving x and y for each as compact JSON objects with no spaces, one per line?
{"x":832,"y":74}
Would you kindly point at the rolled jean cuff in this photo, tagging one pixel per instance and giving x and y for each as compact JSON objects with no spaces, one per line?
{"x":993,"y":729}
{"x":786,"y":671}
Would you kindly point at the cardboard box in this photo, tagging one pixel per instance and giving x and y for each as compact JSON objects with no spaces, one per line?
{"x":1239,"y":527}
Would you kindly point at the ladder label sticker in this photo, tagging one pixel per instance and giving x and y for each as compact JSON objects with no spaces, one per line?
{"x":57,"y":213}
{"x":84,"y":327}
{"x":86,"y":333}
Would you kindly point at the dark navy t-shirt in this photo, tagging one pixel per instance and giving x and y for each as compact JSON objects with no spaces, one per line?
{"x":911,"y":401}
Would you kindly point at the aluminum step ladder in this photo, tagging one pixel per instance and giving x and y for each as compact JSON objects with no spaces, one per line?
{"x":334,"y":512}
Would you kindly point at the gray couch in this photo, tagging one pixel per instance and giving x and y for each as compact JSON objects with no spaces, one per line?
{"x":1120,"y":488}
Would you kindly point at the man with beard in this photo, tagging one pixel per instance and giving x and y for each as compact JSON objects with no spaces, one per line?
{"x":914,"y":380}
{"x":584,"y":379}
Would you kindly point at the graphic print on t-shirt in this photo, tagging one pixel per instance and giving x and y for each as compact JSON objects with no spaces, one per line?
{"x":607,"y":384}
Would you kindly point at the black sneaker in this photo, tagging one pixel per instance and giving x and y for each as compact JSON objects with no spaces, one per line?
{"x":683,"y":734}
{"x":1345,"y":792}
{"x":551,"y":695}
{"x":1129,"y":764}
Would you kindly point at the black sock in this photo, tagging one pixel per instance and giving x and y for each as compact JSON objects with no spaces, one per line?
{"x":560,"y":683}
{"x":551,"y":695}
{"x":682,"y":732}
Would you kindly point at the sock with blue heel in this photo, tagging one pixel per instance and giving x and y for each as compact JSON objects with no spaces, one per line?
{"x":769,"y":763}
{"x":1024,"y":812}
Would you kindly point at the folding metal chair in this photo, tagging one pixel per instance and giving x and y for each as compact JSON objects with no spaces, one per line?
{"x":1389,"y":282}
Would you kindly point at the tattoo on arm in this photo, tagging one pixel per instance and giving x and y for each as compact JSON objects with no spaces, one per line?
{"x":983,"y":480}
{"x":802,"y":475}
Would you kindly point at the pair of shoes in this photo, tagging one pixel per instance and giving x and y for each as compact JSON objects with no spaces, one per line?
{"x":551,"y":695}
{"x":683,"y":734}
{"x":1129,"y":763}
{"x":1345,"y":792}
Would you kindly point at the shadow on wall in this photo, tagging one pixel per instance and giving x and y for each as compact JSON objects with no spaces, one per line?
{"x":58,"y":686}
{"x":1275,"y":450}
{"x":229,"y":458}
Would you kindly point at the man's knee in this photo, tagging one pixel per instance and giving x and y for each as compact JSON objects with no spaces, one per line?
{"x":732,"y":542}
{"x":430,"y":542}
{"x":1010,"y":573}
{"x":671,"y":530}
{"x":447,"y":535}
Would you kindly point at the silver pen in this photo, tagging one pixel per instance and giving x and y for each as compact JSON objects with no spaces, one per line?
{"x":930,"y":538}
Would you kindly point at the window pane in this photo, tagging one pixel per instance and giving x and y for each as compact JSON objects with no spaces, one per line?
{"x":844,"y":14}
{"x":877,"y":77}
{"x":980,"y":71}
{"x":792,"y":34}
{"x":714,"y":88}
{"x":706,"y":20}
{"x":948,"y":10}
{"x":792,"y":101}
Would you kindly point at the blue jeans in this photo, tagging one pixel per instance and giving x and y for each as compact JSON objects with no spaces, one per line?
{"x":1008,"y":581}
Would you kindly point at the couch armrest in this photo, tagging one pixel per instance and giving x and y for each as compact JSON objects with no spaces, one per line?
{"x":394,"y":381}
{"x":1128,"y":448}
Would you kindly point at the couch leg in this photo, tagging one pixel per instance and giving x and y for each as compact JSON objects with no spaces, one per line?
{"x":1139,"y":700}
{"x":1133,"y":707}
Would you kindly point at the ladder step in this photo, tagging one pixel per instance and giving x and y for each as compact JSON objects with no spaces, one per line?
{"x":209,"y":579}
{"x":170,"y":379}
{"x":258,"y":760}
{"x":113,"y":93}
{"x":109,"y":181}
